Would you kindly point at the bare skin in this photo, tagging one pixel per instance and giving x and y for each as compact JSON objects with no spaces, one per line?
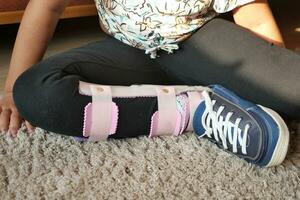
{"x":37,"y":28}
{"x":257,"y":17}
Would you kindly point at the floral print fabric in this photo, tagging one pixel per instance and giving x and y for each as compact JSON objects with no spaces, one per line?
{"x":158,"y":24}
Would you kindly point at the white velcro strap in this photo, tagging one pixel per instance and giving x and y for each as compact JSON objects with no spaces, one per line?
{"x":195,"y":98}
{"x":167,"y":110}
{"x":137,"y":90}
{"x":101,"y":112}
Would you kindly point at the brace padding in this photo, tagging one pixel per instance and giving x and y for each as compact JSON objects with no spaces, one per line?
{"x":166,"y":95}
{"x":138,"y":90}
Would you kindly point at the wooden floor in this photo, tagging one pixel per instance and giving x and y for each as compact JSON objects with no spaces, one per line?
{"x":9,"y":17}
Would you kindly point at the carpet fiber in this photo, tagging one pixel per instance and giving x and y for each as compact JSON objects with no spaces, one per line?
{"x":48,"y":166}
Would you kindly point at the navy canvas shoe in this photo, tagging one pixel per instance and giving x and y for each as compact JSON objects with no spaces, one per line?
{"x":252,"y":132}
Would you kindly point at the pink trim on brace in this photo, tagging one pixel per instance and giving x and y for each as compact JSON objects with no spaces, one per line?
{"x":186,"y":114}
{"x":154,"y":125}
{"x":87,"y":120}
{"x":181,"y":119}
{"x":87,"y":124}
{"x":114,"y":119}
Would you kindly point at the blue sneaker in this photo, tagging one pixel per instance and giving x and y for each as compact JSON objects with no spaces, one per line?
{"x":252,"y":132}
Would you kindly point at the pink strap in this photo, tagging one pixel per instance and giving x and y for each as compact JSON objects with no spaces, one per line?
{"x":195,"y":99}
{"x":154,"y":125}
{"x":101,"y":112}
{"x":167,"y":111}
{"x":88,"y":119}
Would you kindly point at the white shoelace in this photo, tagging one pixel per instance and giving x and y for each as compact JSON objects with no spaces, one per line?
{"x":222,"y":128}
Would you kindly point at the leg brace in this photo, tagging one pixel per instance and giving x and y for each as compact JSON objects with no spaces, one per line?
{"x":104,"y":112}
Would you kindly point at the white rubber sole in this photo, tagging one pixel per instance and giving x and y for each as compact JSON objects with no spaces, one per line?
{"x":282,"y":145}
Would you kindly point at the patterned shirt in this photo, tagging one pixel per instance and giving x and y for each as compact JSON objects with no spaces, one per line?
{"x":159,"y":24}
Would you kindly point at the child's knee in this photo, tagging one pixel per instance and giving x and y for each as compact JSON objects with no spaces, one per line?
{"x":25,"y":93}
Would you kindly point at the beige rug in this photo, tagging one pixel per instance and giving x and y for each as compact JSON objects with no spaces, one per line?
{"x":47,"y":166}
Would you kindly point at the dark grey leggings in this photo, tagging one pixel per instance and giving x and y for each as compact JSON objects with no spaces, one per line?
{"x":219,"y":53}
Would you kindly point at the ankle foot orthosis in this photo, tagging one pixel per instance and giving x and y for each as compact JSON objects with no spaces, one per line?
{"x":176,"y":107}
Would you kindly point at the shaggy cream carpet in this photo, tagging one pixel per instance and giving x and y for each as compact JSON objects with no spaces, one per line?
{"x":48,"y":166}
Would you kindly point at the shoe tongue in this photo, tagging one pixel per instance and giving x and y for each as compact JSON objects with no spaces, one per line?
{"x":254,"y":136}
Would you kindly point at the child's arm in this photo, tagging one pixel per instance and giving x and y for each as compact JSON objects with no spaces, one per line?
{"x":258,"y":18}
{"x":35,"y":31}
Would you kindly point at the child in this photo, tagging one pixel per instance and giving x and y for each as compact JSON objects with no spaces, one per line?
{"x":85,"y":92}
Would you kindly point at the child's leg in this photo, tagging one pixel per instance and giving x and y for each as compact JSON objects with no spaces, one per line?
{"x":47,"y":94}
{"x":254,"y":133}
{"x":58,"y":95}
{"x":223,"y":53}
